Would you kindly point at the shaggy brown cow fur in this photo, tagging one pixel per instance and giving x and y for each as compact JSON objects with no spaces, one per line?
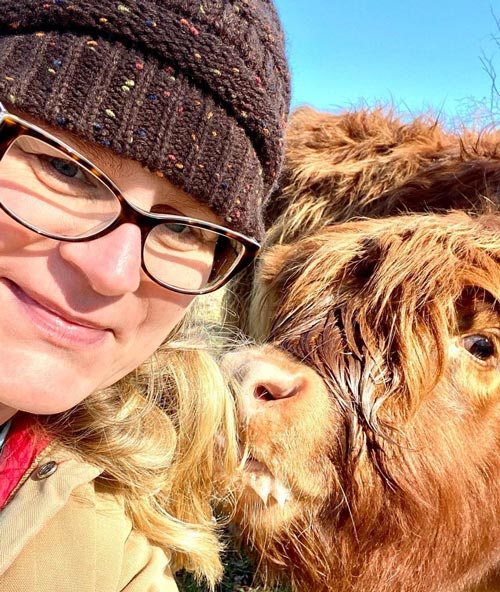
{"x":340,"y":167}
{"x":374,"y":442}
{"x":373,"y":164}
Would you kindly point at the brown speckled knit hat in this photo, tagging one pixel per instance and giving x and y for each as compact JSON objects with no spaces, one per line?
{"x":197,"y":90}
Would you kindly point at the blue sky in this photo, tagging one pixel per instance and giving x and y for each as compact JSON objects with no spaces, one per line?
{"x":417,"y":54}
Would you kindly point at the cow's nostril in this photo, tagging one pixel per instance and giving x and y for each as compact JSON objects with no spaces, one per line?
{"x":275,"y":391}
{"x":262,"y":393}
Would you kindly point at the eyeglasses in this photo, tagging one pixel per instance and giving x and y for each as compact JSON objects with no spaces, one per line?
{"x":56,"y":192}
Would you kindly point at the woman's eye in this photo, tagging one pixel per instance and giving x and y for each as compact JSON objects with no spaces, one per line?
{"x":177,"y":228}
{"x":67,"y":168}
{"x":479,"y":346}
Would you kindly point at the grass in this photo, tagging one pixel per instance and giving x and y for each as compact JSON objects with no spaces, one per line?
{"x":238,"y":577}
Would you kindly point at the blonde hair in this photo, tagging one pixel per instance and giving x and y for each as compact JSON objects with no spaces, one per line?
{"x":157,"y":434}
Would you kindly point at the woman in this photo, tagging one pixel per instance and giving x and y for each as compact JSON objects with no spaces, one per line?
{"x":138,"y":143}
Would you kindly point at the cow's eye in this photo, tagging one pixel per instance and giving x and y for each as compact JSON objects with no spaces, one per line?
{"x":479,"y":346}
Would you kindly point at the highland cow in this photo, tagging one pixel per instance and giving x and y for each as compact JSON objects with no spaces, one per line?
{"x":343,"y":485}
{"x":372,"y":423}
{"x":371,"y":163}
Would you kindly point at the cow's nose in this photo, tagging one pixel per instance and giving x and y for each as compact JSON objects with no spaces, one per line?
{"x":264,"y":377}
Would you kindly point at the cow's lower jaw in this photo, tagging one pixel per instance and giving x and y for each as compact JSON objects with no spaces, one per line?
{"x":265,"y":504}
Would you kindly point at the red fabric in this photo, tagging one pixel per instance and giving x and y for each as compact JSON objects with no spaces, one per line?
{"x":24,"y":443}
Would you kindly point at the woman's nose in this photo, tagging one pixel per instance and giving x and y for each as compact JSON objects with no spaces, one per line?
{"x":111,"y":263}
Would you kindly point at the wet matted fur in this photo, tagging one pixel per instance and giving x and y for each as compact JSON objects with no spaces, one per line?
{"x":372,"y":422}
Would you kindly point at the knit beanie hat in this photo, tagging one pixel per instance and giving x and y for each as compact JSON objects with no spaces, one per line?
{"x":196,"y":90}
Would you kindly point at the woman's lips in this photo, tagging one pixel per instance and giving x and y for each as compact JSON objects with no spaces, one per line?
{"x":57,"y":326}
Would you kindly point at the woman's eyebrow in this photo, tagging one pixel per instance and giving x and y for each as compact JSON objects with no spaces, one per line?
{"x":100,"y":157}
{"x":115,"y":167}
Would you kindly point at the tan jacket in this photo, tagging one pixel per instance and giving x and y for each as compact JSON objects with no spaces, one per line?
{"x":63,"y":532}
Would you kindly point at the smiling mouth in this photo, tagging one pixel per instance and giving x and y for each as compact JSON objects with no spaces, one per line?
{"x":55,"y":325}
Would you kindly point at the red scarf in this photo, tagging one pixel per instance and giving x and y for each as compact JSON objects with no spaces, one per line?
{"x":24,"y":443}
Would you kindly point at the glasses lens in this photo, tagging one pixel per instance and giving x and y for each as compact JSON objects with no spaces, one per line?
{"x":48,"y":190}
{"x":190,"y":258}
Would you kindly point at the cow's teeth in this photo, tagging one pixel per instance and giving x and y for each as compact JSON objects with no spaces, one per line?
{"x":257,"y":477}
{"x":280,"y":493}
{"x":261,"y":483}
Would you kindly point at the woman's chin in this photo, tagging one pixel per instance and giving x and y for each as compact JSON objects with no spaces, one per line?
{"x":43,"y":402}
{"x":43,"y":385}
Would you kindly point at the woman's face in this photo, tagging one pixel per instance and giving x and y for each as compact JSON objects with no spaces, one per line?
{"x":76,"y":317}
